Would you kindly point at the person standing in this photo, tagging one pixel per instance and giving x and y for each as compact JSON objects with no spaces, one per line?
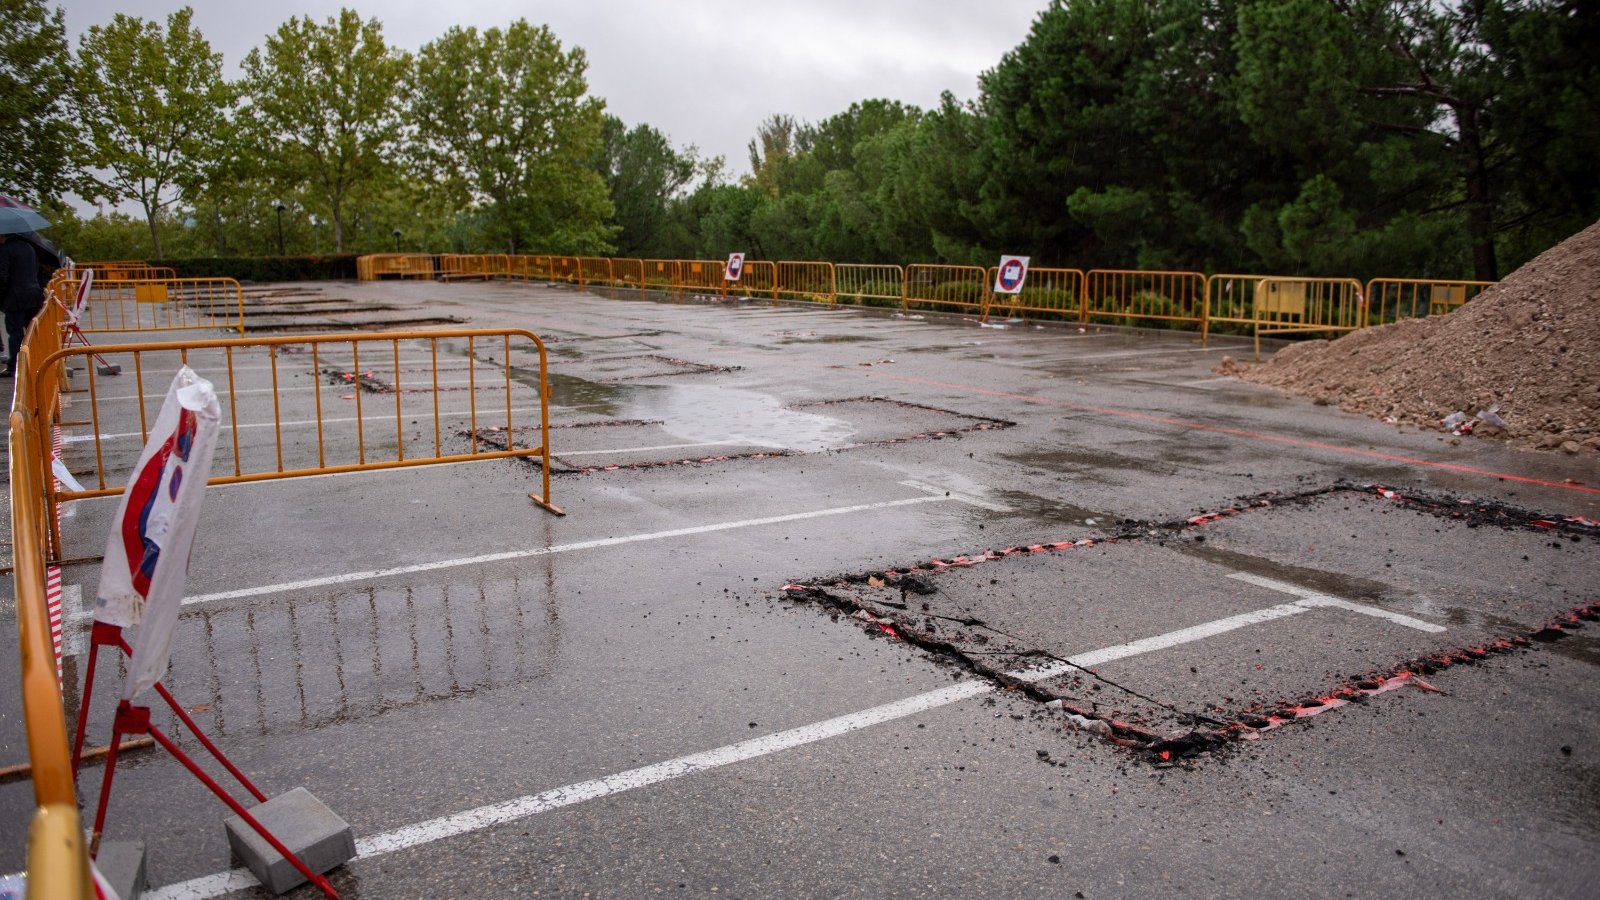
{"x":21,"y":297}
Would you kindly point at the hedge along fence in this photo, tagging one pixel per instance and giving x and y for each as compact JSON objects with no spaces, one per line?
{"x":266,"y":268}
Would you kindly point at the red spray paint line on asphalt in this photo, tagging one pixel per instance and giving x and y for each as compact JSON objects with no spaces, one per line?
{"x":1216,"y":429}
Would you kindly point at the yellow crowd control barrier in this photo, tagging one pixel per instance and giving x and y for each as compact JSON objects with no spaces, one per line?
{"x":812,"y":281}
{"x":565,"y":269}
{"x":594,"y":270}
{"x":1391,"y":299}
{"x":1230,"y":301}
{"x":172,"y":304}
{"x":628,"y":273}
{"x":358,"y":411}
{"x":377,"y":266}
{"x":963,"y":288}
{"x":1141,"y":297}
{"x":1046,"y":294}
{"x":757,"y":277}
{"x":700,"y":275}
{"x":527,"y":268}
{"x":474,"y":265}
{"x":132,"y":273}
{"x":57,"y":854}
{"x":660,"y":274}
{"x":867,"y":284}
{"x":1288,"y":305}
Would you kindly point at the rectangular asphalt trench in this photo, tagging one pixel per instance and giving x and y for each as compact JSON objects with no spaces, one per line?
{"x":625,"y":701}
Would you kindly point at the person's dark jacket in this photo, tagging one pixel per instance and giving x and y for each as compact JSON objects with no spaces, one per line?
{"x":19,"y":277}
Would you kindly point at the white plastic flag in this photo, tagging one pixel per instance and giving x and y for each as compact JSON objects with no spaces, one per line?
{"x":147,"y":552}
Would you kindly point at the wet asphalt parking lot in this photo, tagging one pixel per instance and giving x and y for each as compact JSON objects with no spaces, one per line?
{"x":848,"y":604}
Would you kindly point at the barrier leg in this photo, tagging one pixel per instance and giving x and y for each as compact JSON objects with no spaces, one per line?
{"x":238,"y":809}
{"x":130,"y":720}
{"x":183,"y":716}
{"x":101,"y":635}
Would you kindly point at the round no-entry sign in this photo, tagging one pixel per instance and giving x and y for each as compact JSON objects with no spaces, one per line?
{"x":735,"y":267}
{"x":1009,"y":277}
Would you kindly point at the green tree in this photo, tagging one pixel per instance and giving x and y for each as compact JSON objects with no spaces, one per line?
{"x":326,"y":105}
{"x":39,"y":146}
{"x":503,"y":119}
{"x":643,"y":174}
{"x":152,"y":102}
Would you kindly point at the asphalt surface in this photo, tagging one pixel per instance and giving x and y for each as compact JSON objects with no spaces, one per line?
{"x":822,"y":574}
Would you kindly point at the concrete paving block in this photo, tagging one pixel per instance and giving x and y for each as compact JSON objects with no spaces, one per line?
{"x":121,"y":864}
{"x":315,"y":833}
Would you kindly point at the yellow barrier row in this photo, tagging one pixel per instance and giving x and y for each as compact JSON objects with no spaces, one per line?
{"x":1252,"y":304}
{"x":58,"y":859}
{"x":167,"y":304}
{"x":118,"y":417}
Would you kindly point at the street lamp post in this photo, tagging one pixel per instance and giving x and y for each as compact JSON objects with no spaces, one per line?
{"x":278,"y":207}
{"x":396,"y":234}
{"x":316,"y":236}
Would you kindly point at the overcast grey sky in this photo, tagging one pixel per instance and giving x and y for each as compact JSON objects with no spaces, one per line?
{"x":705,"y":72}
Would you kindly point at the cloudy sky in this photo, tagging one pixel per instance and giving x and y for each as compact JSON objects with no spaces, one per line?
{"x":705,"y":72}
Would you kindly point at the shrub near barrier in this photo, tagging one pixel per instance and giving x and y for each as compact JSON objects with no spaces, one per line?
{"x":267,"y":268}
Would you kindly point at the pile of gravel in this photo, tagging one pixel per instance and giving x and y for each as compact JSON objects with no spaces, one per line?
{"x":1526,"y":351}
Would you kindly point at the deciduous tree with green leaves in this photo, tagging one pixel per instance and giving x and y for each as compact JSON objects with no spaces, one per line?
{"x":326,"y":108}
{"x":151,"y":101}
{"x":39,"y":144}
{"x":504,"y":118}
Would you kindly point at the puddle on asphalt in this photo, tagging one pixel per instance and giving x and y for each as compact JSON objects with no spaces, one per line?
{"x":814,"y":338}
{"x":707,"y":413}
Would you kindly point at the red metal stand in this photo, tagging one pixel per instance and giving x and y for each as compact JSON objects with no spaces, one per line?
{"x":135,"y":720}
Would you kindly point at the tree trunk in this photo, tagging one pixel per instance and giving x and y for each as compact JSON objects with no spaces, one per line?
{"x":155,"y":229}
{"x":338,"y":226}
{"x":1480,"y":209}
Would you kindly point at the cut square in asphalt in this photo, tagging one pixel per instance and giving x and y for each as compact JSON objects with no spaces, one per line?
{"x":635,"y":367}
{"x":706,"y":423}
{"x":1220,"y":618}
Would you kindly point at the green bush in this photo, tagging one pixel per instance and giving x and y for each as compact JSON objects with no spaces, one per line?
{"x":266,"y":268}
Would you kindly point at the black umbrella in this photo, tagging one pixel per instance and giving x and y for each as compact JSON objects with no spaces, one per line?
{"x":50,"y":256}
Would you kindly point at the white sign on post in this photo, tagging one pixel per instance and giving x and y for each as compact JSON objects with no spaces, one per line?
{"x":735,"y":267}
{"x":1012,"y":272}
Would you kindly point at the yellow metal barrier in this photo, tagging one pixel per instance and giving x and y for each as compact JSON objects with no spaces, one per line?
{"x":964,"y":288}
{"x":474,"y":265}
{"x":864,"y":284}
{"x":1288,"y":305}
{"x":169,"y":305}
{"x":628,"y":273}
{"x":131,"y":273}
{"x":311,"y":433}
{"x":1055,"y":294}
{"x":377,"y":266}
{"x":700,"y":275}
{"x":1137,"y":297}
{"x":757,"y":277}
{"x":594,"y":270}
{"x":661,"y":274}
{"x":57,"y":856}
{"x":812,"y":281}
{"x":559,"y":268}
{"x":1391,"y":299}
{"x":1230,"y":301}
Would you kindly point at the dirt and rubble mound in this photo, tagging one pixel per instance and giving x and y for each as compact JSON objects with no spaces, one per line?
{"x":1520,"y":361}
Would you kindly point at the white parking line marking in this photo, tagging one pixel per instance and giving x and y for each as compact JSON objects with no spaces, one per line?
{"x":1162,"y":641}
{"x":567,"y":548}
{"x":662,"y":447}
{"x":968,"y":499}
{"x":1314,"y":598}
{"x":506,"y":811}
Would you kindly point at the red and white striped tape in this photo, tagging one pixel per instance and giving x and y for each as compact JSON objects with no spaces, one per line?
{"x":52,"y":587}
